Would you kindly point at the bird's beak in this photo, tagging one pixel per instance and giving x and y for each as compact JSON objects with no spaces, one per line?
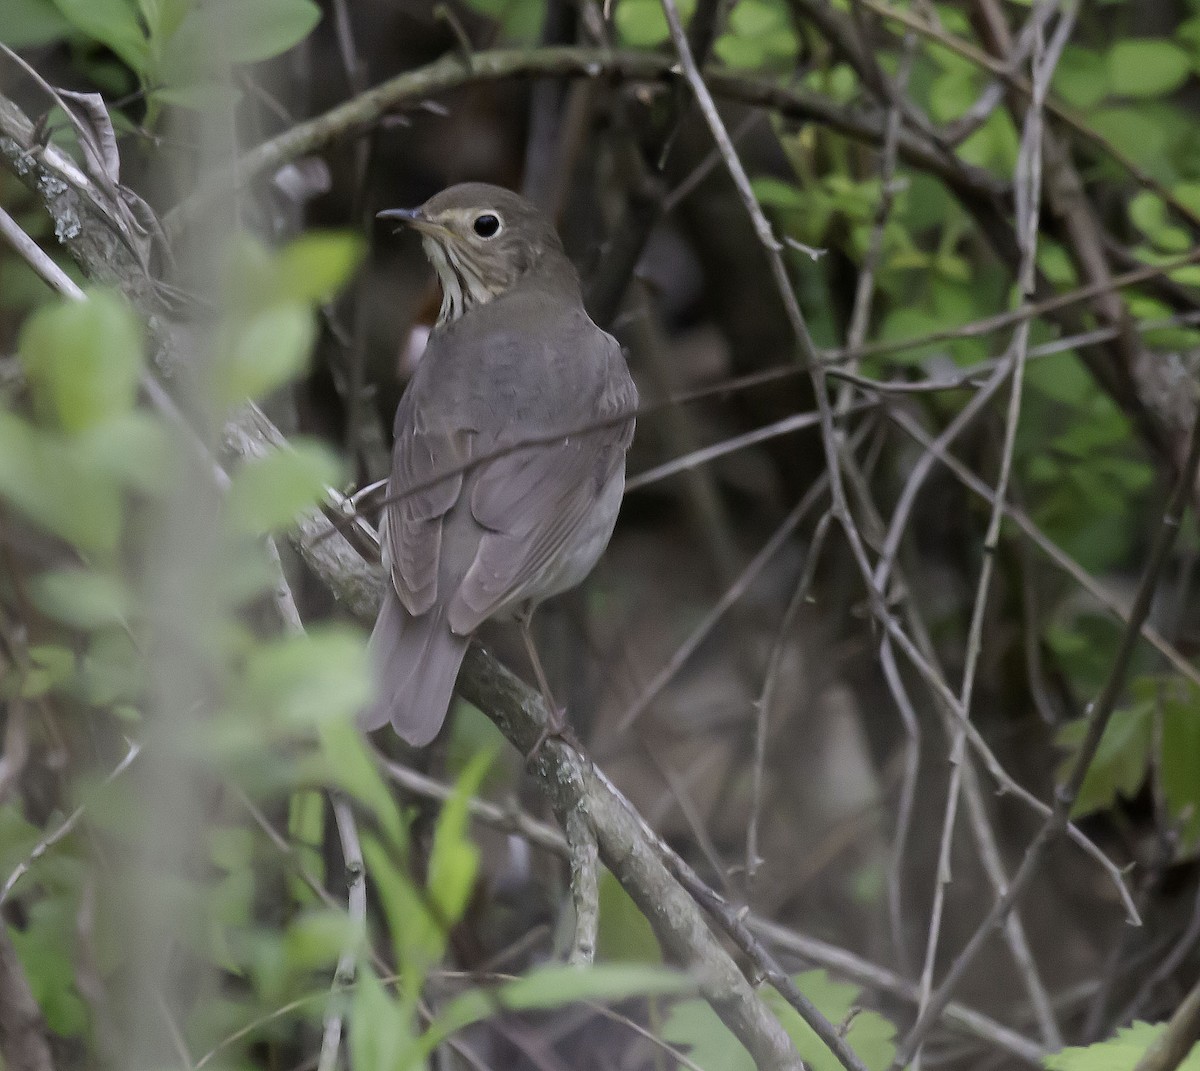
{"x":413,"y":217}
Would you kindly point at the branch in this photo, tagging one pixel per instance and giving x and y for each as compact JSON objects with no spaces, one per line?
{"x":450,"y":72}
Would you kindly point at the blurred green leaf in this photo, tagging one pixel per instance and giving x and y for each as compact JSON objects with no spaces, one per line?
{"x":641,"y":23}
{"x":625,"y":934}
{"x":310,"y":679}
{"x":454,"y":858}
{"x":266,"y":353}
{"x":268,"y":493}
{"x":234,"y":31}
{"x":80,"y":597}
{"x":315,"y":939}
{"x":1081,"y":77}
{"x":49,"y":964}
{"x":379,"y":1031}
{"x":694,"y":1026}
{"x":1180,"y":762}
{"x":114,"y":23}
{"x":1147,"y":67}
{"x":54,"y":485}
{"x":350,"y":766}
{"x":317,"y":264}
{"x":83,"y":359}
{"x":1119,"y":1053}
{"x":30,"y":23}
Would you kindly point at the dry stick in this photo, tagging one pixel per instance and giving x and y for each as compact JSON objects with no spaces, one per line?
{"x":1027,"y":185}
{"x":347,"y":964}
{"x":766,"y":698}
{"x":1171,"y":1047}
{"x":1097,"y":720}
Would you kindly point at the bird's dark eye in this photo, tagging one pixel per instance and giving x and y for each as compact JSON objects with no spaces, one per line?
{"x":487,"y":225}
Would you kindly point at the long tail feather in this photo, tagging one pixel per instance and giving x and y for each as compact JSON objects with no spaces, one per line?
{"x":415,"y":662}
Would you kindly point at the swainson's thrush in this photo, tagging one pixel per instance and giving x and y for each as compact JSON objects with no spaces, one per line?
{"x":513,"y":358}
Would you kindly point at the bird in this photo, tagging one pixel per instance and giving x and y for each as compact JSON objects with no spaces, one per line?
{"x":508,"y":465}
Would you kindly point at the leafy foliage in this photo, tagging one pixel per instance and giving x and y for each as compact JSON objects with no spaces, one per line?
{"x":1120,"y":1053}
{"x":694,"y":1026}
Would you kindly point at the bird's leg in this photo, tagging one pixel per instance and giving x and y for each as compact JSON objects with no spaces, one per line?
{"x":556,"y":721}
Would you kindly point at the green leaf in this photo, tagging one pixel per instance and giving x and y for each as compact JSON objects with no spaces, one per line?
{"x":235,"y":31}
{"x":1180,"y":761}
{"x":454,"y":859}
{"x":316,"y":938}
{"x":418,"y":936}
{"x":1061,"y":377}
{"x":30,"y":23}
{"x":1081,"y":77}
{"x":349,"y":766}
{"x":114,"y":23}
{"x":694,"y":1025}
{"x":1121,"y":761}
{"x":83,"y":359}
{"x":81,"y":598}
{"x":316,"y":265}
{"x":266,"y":353}
{"x":641,"y":23}
{"x":625,"y":935}
{"x":554,"y":987}
{"x":379,"y":1030}
{"x":57,"y":487}
{"x":268,"y":494}
{"x":49,"y":964}
{"x":1147,"y":67}
{"x":307,"y":680}
{"x":1120,"y":1053}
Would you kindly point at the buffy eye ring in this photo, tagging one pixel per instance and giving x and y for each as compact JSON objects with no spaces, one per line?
{"x":486,"y":225}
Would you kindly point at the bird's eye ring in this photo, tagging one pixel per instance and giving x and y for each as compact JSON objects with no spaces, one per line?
{"x":487,"y":225}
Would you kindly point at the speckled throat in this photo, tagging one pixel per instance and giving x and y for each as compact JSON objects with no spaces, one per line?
{"x":463,"y":287}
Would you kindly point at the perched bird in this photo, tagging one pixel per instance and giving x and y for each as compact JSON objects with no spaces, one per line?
{"x":514,"y":358}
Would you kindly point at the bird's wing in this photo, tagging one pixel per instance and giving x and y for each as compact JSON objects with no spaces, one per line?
{"x":416,"y":507}
{"x":533,"y":502}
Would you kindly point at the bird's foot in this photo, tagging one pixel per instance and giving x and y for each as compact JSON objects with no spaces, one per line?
{"x":556,"y":728}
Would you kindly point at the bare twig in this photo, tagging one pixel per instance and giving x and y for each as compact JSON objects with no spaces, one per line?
{"x":347,"y":965}
{"x":63,"y":830}
{"x":1097,"y":720}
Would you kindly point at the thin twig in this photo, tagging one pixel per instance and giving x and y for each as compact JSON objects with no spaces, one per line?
{"x":1097,"y":720}
{"x":347,"y":964}
{"x":63,"y":830}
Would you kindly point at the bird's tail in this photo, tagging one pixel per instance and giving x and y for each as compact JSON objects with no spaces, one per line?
{"x":415,"y":662}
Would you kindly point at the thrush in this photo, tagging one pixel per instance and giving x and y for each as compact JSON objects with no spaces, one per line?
{"x":509,"y":459}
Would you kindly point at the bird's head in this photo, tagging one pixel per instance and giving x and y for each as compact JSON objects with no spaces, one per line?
{"x":481,"y":239}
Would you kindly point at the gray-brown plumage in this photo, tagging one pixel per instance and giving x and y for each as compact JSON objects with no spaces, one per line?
{"x":513,"y":358}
